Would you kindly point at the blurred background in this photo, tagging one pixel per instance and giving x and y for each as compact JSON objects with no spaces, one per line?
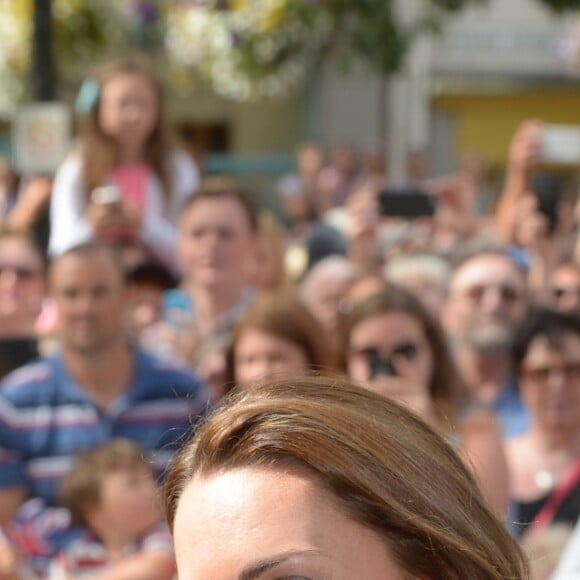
{"x":440,"y":83}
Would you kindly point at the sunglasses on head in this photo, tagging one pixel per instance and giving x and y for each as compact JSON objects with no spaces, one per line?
{"x":21,"y":272}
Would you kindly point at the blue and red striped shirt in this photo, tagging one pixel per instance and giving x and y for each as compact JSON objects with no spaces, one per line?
{"x":46,"y":419}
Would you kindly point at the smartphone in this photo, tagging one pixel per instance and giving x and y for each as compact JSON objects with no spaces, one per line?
{"x":548,"y":188}
{"x":560,"y":144}
{"x":177,"y":309}
{"x":106,"y":195}
{"x":379,"y":365}
{"x":408,"y":203}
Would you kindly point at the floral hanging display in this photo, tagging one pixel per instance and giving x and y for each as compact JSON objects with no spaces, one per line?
{"x":15,"y":34}
{"x":244,"y":49}
{"x":84,"y":32}
{"x":251,"y":48}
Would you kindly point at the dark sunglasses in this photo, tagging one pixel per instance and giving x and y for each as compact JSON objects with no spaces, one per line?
{"x":561,"y":292}
{"x":21,"y":272}
{"x":507,"y":293}
{"x":407,"y":350}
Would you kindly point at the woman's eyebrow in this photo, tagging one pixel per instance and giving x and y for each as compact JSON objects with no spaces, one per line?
{"x":254,"y":571}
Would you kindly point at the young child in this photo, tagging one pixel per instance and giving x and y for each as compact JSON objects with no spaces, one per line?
{"x":112,"y":494}
{"x":123,"y":182}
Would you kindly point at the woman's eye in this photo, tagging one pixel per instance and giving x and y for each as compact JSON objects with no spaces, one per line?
{"x":409,"y":351}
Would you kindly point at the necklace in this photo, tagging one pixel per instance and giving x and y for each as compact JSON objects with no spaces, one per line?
{"x":544,"y":480}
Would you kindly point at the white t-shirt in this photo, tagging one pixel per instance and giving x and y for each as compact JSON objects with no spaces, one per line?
{"x":69,"y":225}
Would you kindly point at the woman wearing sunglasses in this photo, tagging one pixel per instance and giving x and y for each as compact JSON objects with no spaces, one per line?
{"x":393,"y":346}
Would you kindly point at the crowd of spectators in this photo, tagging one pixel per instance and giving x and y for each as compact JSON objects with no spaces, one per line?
{"x":161,"y":290}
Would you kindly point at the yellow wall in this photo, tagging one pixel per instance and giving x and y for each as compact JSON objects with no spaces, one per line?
{"x":269,"y":127}
{"x":486,"y":123}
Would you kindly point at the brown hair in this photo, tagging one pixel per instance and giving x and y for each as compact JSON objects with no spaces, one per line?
{"x":81,"y":487}
{"x":99,"y":153}
{"x":383,"y":466}
{"x":91,"y":249}
{"x":223,"y":188}
{"x":446,"y":388}
{"x":283,"y":315}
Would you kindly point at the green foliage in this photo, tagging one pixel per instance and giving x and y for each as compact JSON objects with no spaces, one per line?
{"x":364,"y":29}
{"x":561,"y":5}
{"x":373,"y":33}
{"x":85,"y":32}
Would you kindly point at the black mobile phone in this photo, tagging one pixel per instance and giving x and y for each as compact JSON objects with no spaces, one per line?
{"x":404,"y":202}
{"x":379,"y":365}
{"x":547,"y":189}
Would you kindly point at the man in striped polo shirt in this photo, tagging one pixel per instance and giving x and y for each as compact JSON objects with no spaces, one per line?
{"x":98,"y":386}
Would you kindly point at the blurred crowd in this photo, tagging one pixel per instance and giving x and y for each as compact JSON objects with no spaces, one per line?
{"x":136,"y":292}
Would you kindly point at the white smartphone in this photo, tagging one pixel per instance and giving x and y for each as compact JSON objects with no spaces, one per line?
{"x":106,"y":195}
{"x":560,"y":144}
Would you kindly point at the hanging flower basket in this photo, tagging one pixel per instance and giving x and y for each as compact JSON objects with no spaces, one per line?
{"x":84,"y":31}
{"x":251,"y":49}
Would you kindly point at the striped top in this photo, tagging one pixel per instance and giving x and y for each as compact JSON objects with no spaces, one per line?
{"x":46,"y":419}
{"x":86,"y":556}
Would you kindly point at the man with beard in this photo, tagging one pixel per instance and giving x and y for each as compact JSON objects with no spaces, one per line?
{"x":487,"y":301}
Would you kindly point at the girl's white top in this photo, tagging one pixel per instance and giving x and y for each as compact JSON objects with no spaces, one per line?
{"x":69,"y":225}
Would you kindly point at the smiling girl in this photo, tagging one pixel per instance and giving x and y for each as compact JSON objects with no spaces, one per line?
{"x":123,"y":182}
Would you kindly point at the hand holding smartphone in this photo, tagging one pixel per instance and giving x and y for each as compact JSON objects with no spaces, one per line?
{"x":106,"y":195}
